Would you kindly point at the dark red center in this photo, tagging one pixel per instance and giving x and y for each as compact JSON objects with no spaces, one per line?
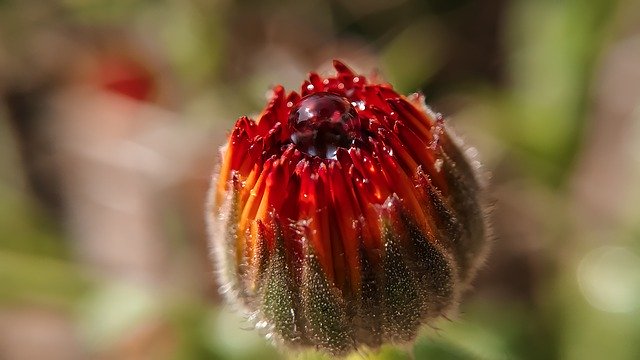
{"x":320,"y":123}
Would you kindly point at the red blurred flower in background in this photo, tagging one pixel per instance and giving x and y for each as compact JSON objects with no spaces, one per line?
{"x":346,"y":216}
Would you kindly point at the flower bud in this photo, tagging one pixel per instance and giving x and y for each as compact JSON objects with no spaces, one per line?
{"x":345,"y":216}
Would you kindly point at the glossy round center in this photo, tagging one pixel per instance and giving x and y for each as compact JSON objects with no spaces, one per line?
{"x":320,"y":124}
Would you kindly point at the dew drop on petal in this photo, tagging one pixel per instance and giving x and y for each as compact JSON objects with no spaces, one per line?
{"x":320,"y":124}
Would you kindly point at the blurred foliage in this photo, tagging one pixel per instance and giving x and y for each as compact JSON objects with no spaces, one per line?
{"x":537,"y":86}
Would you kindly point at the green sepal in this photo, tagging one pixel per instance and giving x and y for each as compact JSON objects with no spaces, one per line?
{"x":279,"y":299}
{"x":324,"y":309}
{"x":400,"y":296}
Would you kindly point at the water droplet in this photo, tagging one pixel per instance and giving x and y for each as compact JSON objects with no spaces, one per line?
{"x":320,"y":124}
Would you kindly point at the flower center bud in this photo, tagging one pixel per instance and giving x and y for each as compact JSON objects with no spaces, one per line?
{"x":321,"y":123}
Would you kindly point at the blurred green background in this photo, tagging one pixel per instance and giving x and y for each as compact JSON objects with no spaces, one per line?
{"x":111,"y":113}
